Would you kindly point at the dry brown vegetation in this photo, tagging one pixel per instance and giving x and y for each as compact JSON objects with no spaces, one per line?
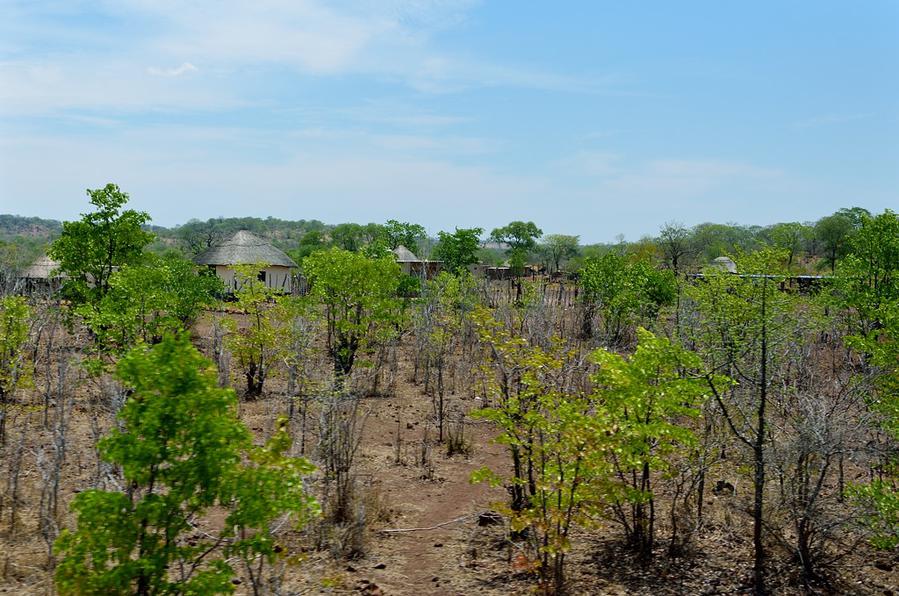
{"x":400,"y":515}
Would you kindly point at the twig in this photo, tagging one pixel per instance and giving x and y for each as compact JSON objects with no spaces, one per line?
{"x":446,"y":523}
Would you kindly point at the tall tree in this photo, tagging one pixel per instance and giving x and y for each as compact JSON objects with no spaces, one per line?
{"x":833,"y":232}
{"x":359,"y":297}
{"x":521,"y":238}
{"x":789,"y":237}
{"x":459,"y":249}
{"x":559,"y":248}
{"x":624,"y":293}
{"x":674,"y":240}
{"x":401,"y":233}
{"x":92,"y":248}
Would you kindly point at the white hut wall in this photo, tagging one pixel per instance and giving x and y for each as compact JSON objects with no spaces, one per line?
{"x":276,"y":278}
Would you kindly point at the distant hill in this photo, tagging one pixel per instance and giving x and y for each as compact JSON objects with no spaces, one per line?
{"x":192,"y":236}
{"x":12,"y":226}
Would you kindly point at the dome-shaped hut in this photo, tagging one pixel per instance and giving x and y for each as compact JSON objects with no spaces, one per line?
{"x":246,"y":248}
{"x":724,"y":264}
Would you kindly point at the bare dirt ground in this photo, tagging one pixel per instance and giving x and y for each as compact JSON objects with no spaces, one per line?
{"x":424,"y":536}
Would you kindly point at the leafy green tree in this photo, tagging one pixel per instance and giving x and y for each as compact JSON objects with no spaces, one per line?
{"x":359,"y":298}
{"x":712,"y":240}
{"x":558,"y":448}
{"x":458,"y":250}
{"x":354,"y":237}
{"x":559,"y":248}
{"x":856,"y":215}
{"x":347,"y":236}
{"x":790,"y":238}
{"x":91,"y":249}
{"x":182,"y":451}
{"x":833,"y":232}
{"x":868,"y":289}
{"x":647,"y":398}
{"x":401,"y":233}
{"x":311,"y":241}
{"x":868,"y":280}
{"x":521,"y":238}
{"x":624,"y":293}
{"x":259,"y":343}
{"x":147,"y":300}
{"x":14,"y":323}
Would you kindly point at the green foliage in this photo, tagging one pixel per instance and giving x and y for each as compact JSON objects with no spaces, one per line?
{"x":647,"y":399}
{"x":459,"y":249}
{"x":354,"y":237}
{"x":712,"y":240}
{"x":181,"y":449}
{"x":91,"y":249}
{"x":15,"y":317}
{"x":558,"y":249}
{"x":557,"y":446}
{"x":521,"y":237}
{"x":868,"y":278}
{"x":360,"y":302}
{"x":624,"y":293}
{"x":789,"y":237}
{"x":868,"y":288}
{"x":310,"y":242}
{"x":259,"y":343}
{"x":879,"y":502}
{"x":397,"y":233}
{"x":833,"y":232}
{"x":147,"y":300}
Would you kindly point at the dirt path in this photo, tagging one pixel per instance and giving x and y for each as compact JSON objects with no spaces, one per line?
{"x":426,"y":561}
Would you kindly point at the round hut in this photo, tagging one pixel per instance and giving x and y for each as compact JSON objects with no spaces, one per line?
{"x":246,"y":248}
{"x":724,"y":264}
{"x":42,"y":275}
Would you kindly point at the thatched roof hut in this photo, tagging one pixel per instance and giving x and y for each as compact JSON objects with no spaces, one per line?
{"x":246,"y":248}
{"x":43,"y":268}
{"x":42,"y":276}
{"x":412,"y":265}
{"x":724,"y":264}
{"x":404,"y":255}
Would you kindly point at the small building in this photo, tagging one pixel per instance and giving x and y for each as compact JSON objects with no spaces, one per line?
{"x":412,"y":265}
{"x":724,"y":264}
{"x":42,"y":275}
{"x":246,"y":248}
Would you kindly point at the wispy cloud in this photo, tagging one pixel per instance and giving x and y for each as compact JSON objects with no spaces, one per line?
{"x":185,"y":68}
{"x":391,"y":41}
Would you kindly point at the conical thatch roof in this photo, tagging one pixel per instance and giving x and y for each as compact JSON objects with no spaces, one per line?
{"x":42,"y":268}
{"x":404,"y":255}
{"x":244,"y":248}
{"x":724,"y":264}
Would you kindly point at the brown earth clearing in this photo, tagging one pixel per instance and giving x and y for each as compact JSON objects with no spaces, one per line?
{"x":427,"y":527}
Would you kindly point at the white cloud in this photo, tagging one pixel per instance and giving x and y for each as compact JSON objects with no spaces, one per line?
{"x":56,"y":60}
{"x":185,"y":68}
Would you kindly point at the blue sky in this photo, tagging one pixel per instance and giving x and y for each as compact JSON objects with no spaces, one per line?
{"x":589,"y":118}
